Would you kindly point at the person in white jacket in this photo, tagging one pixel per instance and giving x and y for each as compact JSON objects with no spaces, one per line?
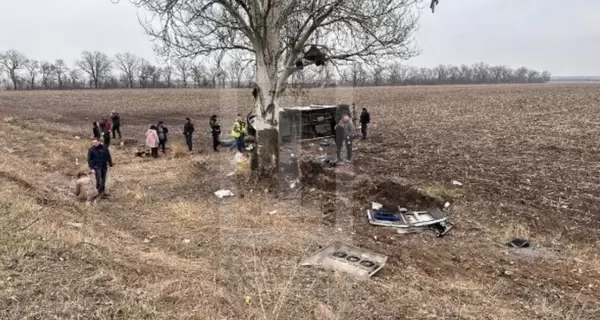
{"x":152,"y":141}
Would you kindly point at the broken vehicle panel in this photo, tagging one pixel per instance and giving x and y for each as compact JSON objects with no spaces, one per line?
{"x":347,"y":258}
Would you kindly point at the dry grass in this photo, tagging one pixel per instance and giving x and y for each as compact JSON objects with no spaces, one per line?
{"x":164,"y":247}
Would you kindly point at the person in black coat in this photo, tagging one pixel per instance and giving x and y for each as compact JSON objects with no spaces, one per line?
{"x":99,"y":159}
{"x":365,"y":118}
{"x":188,"y":131}
{"x":116,"y":124}
{"x":96,"y":130}
{"x":215,"y":131}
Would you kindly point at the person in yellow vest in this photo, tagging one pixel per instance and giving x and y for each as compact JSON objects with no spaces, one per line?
{"x":238,"y":132}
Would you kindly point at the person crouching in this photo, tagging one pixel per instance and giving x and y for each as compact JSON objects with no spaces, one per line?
{"x":85,"y":189}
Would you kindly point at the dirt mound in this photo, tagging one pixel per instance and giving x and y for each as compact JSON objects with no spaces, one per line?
{"x":325,"y":178}
{"x":392,"y":194}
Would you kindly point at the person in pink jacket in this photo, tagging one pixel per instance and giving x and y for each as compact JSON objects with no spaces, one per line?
{"x":152,"y":140}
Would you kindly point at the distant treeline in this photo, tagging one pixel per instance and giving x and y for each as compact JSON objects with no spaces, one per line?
{"x":96,"y":69}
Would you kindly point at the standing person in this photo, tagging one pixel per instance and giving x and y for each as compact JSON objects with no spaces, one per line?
{"x":188,"y":130}
{"x":238,"y":132}
{"x":116,"y":124}
{"x":107,"y":124}
{"x":162,"y":131}
{"x":215,"y":130}
{"x":152,"y":141}
{"x":365,"y":119}
{"x":99,"y":160}
{"x":105,"y":134}
{"x":96,"y":130}
{"x":344,"y":131}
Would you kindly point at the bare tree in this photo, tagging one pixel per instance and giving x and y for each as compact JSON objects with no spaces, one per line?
{"x":198,"y":74}
{"x":96,"y":64}
{"x":32,"y":67}
{"x":284,"y":37}
{"x":235,"y":71}
{"x":129,"y":64}
{"x":146,"y":73}
{"x":167,"y":72}
{"x":183,"y":68}
{"x":13,"y":61}
{"x":48,"y":73}
{"x":60,"y":68}
{"x":155,"y":75}
{"x":74,"y":76}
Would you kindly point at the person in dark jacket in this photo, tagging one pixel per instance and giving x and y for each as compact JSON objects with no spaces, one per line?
{"x":365,"y":118}
{"x":188,"y":131}
{"x":162,"y":131}
{"x":96,"y":130}
{"x":99,"y":160}
{"x":116,"y":124}
{"x":105,"y":134}
{"x":215,"y":130}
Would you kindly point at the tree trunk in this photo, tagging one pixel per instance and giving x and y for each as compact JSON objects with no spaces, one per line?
{"x":14,"y":80}
{"x":267,"y":118}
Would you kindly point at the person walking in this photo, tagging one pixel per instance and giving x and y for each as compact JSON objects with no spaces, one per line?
{"x":162,"y":131}
{"x":365,"y":119}
{"x":96,"y":130}
{"x":99,"y":159}
{"x":344,"y":131}
{"x":215,"y":130}
{"x":107,"y":124}
{"x":188,"y":131}
{"x":238,"y":132}
{"x":105,"y":134}
{"x":152,"y":141}
{"x":116,"y":124}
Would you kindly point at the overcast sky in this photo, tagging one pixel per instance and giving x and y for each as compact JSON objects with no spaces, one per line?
{"x":556,"y":35}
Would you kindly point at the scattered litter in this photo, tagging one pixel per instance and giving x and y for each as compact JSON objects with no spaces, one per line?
{"x":407,"y":221}
{"x":222,"y":193}
{"x":230,"y":174}
{"x":456,"y":183}
{"x":324,"y":144}
{"x":75,"y":225}
{"x":446,"y":205}
{"x":77,"y":137}
{"x":342,"y":257}
{"x":186,"y":241}
{"x":518,"y":243}
{"x":146,"y":240}
{"x":273,"y":212}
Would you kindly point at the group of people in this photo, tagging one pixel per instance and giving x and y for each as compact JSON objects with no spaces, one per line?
{"x":102,"y":129}
{"x":157,"y":136}
{"x":99,"y":158}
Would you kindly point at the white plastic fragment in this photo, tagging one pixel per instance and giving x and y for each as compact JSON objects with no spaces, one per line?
{"x":222,"y":193}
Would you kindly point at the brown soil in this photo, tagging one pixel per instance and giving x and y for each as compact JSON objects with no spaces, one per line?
{"x":164,"y":247}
